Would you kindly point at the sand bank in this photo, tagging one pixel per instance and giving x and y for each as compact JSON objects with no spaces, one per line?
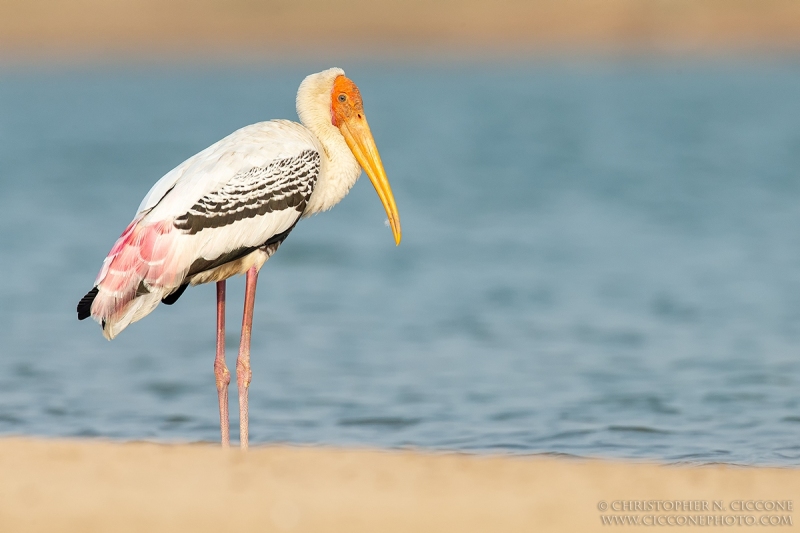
{"x":58,"y":485}
{"x":275,"y":29}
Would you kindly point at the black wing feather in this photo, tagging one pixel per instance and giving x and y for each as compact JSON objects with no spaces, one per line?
{"x":172,"y":297}
{"x":85,"y":305}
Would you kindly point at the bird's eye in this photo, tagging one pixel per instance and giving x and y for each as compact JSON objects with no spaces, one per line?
{"x":342,"y":98}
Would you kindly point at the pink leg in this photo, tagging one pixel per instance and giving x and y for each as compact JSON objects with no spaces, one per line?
{"x":220,"y":370}
{"x":243,"y":373}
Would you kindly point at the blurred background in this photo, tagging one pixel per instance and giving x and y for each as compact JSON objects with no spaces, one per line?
{"x":233,"y":30}
{"x":600,"y":204}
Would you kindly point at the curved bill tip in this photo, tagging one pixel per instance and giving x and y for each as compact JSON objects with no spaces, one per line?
{"x":396,"y":231}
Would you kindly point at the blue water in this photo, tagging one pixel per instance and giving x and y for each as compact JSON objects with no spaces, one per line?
{"x":598,"y":260}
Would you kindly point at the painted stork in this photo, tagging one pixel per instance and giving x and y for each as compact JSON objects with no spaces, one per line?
{"x":227,"y":209}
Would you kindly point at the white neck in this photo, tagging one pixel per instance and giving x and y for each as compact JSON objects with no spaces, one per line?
{"x":339,"y":169}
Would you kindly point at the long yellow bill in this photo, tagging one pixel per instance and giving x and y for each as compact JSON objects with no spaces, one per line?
{"x":358,"y":136}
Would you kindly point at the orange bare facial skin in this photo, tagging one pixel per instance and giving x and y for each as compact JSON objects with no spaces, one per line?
{"x":345,"y":101}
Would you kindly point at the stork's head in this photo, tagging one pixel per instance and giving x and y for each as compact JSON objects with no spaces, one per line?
{"x":329,"y":101}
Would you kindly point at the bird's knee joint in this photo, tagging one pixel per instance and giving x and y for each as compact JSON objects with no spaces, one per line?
{"x":223,"y":375}
{"x":243,"y":375}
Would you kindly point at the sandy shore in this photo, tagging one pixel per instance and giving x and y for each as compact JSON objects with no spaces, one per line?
{"x":275,"y":29}
{"x":59,"y":485}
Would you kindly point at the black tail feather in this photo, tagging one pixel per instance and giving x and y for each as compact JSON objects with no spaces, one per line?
{"x":171,"y":298}
{"x":85,"y":305}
